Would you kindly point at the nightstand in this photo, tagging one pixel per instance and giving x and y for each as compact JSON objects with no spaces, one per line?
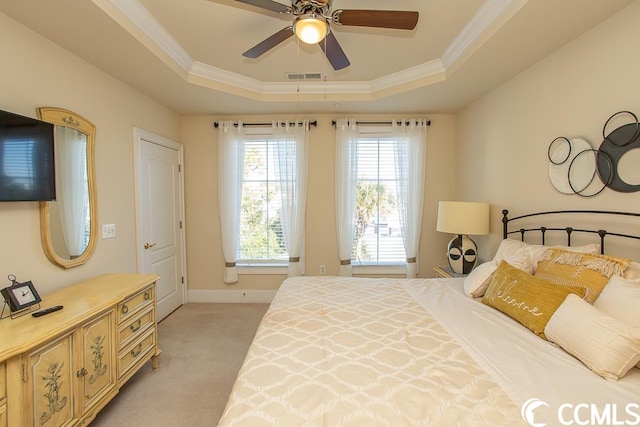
{"x":445,"y":272}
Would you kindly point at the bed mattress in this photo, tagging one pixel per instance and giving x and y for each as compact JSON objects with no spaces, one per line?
{"x":334,"y":351}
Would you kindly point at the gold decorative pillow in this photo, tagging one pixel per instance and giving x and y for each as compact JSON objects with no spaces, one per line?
{"x":568,"y":268}
{"x":525,"y":298}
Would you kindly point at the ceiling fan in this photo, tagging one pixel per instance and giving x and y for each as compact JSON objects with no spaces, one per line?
{"x":312,"y":25}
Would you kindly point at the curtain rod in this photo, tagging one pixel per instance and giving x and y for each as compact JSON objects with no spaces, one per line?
{"x":389,"y":123}
{"x":313,"y":123}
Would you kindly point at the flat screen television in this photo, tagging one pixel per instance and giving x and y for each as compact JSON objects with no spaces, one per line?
{"x":27,"y":163}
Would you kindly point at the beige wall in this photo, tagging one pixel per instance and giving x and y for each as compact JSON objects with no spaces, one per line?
{"x":494,"y":150}
{"x":204,"y":250}
{"x":36,"y":73}
{"x":503,"y":137}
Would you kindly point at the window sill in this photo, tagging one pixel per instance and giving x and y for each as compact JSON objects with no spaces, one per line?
{"x":262,"y":269}
{"x":379,"y":269}
{"x":282,"y":269}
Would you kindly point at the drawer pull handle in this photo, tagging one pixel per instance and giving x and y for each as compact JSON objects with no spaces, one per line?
{"x":125,"y":309}
{"x":136,"y":325}
{"x":136,"y":351}
{"x":81,"y":373}
{"x":147,"y":295}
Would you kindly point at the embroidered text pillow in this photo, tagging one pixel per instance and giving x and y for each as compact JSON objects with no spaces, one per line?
{"x":525,"y":298}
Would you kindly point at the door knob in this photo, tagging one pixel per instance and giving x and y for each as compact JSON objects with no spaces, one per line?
{"x":149,"y":245}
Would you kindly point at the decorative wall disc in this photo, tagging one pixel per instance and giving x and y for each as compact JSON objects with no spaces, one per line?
{"x":566,"y":163}
{"x":615,"y":145}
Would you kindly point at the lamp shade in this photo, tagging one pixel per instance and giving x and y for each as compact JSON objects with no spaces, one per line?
{"x":311,"y":28}
{"x":463,"y":218}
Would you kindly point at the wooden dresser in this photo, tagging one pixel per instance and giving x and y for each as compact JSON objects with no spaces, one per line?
{"x":62,"y":368}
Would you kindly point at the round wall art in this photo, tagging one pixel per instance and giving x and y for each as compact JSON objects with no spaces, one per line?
{"x":574,"y":164}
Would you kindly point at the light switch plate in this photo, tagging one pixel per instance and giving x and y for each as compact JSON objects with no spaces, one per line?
{"x":108,"y":231}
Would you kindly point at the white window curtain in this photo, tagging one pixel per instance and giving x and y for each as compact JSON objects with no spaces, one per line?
{"x":346,"y":172}
{"x":73,"y":194}
{"x":291,"y":142}
{"x":230,"y":172}
{"x":410,"y":158}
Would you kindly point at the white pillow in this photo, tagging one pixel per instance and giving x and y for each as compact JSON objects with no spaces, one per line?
{"x":632,"y":272}
{"x":620,"y":299}
{"x":477,"y":282}
{"x":509,"y":247}
{"x":604,"y":344}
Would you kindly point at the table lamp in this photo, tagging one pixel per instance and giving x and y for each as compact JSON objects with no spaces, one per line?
{"x":463,"y":218}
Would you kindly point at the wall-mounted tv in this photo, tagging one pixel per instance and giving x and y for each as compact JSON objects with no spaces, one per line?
{"x":27,"y":163}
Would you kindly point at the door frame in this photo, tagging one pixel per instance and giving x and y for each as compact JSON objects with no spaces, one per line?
{"x":139,"y":135}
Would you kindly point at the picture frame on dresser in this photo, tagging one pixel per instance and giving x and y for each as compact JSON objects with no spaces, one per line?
{"x":19,"y":297}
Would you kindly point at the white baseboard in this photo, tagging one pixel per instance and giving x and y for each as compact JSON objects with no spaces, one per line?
{"x":231,"y":296}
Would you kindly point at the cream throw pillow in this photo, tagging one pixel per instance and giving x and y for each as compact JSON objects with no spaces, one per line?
{"x":620,"y":299}
{"x":604,"y":344}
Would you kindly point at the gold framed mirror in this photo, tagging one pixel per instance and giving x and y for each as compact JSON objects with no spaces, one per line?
{"x":69,"y":225}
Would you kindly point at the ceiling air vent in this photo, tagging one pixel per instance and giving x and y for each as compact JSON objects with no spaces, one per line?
{"x":304,"y":76}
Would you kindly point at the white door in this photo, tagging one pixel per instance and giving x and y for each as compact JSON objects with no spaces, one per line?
{"x":160,"y":202}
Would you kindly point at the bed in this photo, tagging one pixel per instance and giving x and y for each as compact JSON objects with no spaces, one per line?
{"x":338,"y":351}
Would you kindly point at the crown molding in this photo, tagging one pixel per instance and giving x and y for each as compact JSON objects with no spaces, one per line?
{"x":137,"y":20}
{"x":490,"y":17}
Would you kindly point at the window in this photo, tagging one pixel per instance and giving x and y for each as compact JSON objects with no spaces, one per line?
{"x":380,"y":172}
{"x":261,"y":236}
{"x":377,"y":234}
{"x":262,"y":174}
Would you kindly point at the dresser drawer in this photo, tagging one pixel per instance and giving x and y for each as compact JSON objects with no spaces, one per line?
{"x":134,"y":303}
{"x":135,"y":326}
{"x":135,"y":352}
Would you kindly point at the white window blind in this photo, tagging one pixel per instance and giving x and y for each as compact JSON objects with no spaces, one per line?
{"x":377,"y":238}
{"x":261,"y":238}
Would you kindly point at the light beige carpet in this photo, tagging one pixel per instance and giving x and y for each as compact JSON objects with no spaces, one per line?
{"x":203,"y":347}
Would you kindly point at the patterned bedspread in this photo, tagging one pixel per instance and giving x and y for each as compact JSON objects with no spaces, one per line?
{"x":360,"y":352}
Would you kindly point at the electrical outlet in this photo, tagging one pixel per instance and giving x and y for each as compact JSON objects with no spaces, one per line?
{"x":323,"y":269}
{"x":108,"y":231}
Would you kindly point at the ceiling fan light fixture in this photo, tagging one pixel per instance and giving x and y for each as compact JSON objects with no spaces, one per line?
{"x":311,"y":28}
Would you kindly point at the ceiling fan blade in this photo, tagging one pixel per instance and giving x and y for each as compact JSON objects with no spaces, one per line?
{"x":334,"y":52}
{"x":267,"y":4}
{"x":269,"y":43}
{"x":401,"y":20}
